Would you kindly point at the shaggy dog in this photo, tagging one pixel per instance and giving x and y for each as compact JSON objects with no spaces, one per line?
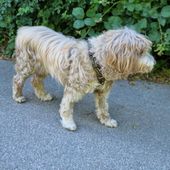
{"x":80,"y":66}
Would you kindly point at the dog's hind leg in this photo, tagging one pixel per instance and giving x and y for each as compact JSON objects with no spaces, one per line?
{"x":37,"y":83}
{"x":24,"y":68}
{"x":102,"y":106}
{"x":18,"y":83}
{"x":22,"y":73}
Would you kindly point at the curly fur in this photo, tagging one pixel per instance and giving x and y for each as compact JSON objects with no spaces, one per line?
{"x":41,"y":51}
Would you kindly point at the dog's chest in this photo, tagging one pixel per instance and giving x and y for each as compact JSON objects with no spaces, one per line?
{"x":92,"y":87}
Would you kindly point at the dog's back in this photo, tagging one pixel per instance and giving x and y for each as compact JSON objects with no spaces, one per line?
{"x":37,"y":37}
{"x":40,"y":48}
{"x":43,"y":46}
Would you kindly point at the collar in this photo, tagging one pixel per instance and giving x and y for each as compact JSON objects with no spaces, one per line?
{"x":96,"y":66}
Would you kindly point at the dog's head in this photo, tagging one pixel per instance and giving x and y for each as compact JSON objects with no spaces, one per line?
{"x":127,"y":52}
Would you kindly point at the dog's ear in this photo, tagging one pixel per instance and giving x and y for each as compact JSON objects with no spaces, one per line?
{"x":118,"y":62}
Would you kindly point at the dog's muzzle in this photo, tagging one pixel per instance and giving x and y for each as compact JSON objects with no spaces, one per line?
{"x":148,"y":62}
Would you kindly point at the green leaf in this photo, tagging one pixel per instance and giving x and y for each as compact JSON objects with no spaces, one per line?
{"x":153,"y":13}
{"x":131,"y":1}
{"x":165,"y":12}
{"x":138,"y":7}
{"x":98,"y":17}
{"x":83,"y":32}
{"x":91,"y":33}
{"x":89,"y":22}
{"x":2,"y":24}
{"x":78,"y":13}
{"x":24,"y":10}
{"x":130,"y":7}
{"x":115,"y":21}
{"x":162,"y":21}
{"x":154,"y":25}
{"x":168,"y":34}
{"x":119,"y":10}
{"x":107,"y":25}
{"x":145,"y":13}
{"x":78,"y":24}
{"x":90,"y":13}
{"x":141,"y":24}
{"x":154,"y":35}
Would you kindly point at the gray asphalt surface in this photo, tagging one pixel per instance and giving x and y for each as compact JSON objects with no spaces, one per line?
{"x":31,"y":137}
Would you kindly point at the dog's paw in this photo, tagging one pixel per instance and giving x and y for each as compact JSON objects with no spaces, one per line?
{"x":110,"y":123}
{"x":20,"y":99}
{"x":45,"y":98}
{"x":69,"y":124}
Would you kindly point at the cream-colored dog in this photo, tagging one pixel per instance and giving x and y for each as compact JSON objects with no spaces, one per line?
{"x":80,"y":66}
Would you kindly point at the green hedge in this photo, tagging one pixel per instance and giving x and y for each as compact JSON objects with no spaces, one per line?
{"x":83,"y":18}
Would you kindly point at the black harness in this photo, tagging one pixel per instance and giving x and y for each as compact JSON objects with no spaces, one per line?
{"x":96,"y":67}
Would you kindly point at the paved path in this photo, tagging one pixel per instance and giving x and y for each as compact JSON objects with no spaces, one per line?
{"x":31,"y":137}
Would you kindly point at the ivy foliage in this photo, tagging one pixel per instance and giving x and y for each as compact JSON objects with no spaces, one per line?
{"x":84,"y":18}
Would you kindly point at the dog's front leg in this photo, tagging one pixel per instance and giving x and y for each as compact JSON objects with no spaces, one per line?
{"x":66,"y":108}
{"x":103,"y":115}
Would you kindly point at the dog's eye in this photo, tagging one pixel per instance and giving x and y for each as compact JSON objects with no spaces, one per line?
{"x":70,"y":61}
{"x":141,"y":52}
